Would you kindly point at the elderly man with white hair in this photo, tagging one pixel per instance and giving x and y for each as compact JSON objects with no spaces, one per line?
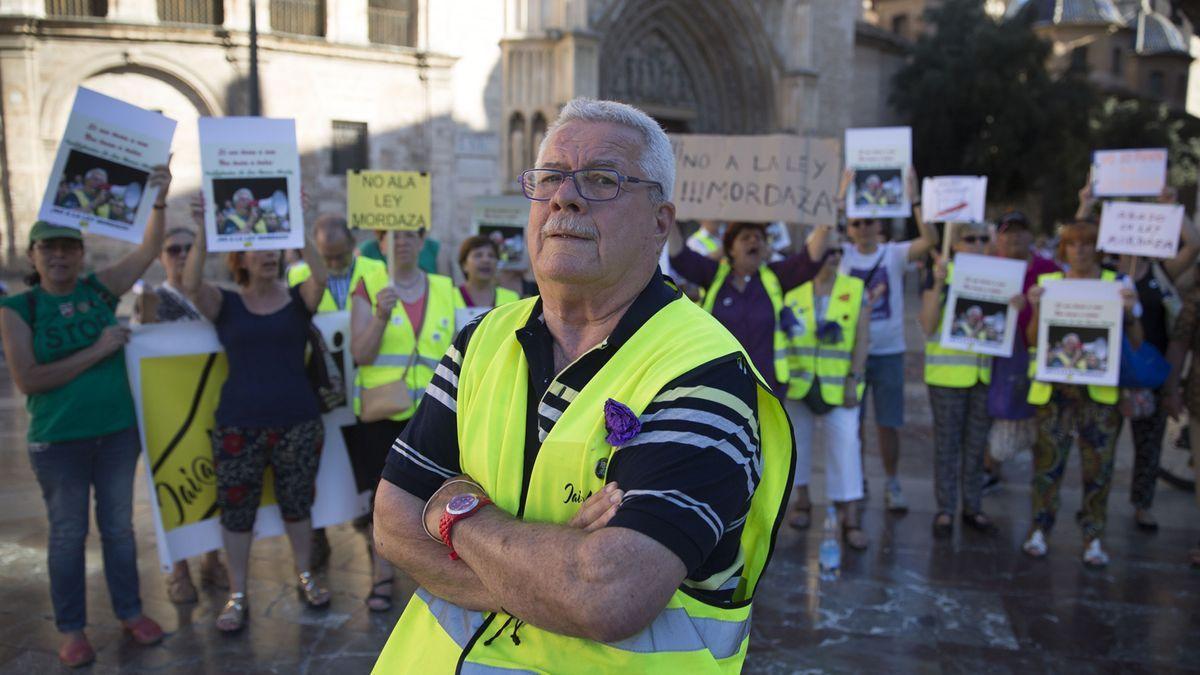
{"x":244,"y":215}
{"x":595,"y":477}
{"x":91,"y":197}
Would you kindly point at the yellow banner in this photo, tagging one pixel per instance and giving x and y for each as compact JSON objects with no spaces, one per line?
{"x":179,"y":400}
{"x":388,"y":200}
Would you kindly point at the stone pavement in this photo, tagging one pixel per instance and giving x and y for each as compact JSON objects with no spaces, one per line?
{"x":907,"y":604}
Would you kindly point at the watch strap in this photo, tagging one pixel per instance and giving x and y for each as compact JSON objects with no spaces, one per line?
{"x":449,"y":519}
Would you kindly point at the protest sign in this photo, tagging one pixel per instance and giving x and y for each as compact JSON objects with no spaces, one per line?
{"x":98,"y":181}
{"x":388,"y":200}
{"x":978,"y":317}
{"x":1138,"y":228}
{"x":880,"y":158}
{"x":957,"y":199}
{"x":503,"y":220}
{"x":1129,"y":173}
{"x":176,"y":371}
{"x":777,"y":177}
{"x":1079,"y":332}
{"x":251,"y":183}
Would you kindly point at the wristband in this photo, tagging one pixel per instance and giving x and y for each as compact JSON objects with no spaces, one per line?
{"x":159,"y":207}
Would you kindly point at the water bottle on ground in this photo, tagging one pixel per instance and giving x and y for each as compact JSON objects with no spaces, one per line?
{"x":830,"y":555}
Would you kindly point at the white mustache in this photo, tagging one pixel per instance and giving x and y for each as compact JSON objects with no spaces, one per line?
{"x":569,"y":225}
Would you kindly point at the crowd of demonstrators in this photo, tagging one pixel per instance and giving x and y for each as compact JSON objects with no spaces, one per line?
{"x":881,"y":265}
{"x":827,"y":352}
{"x":268,"y":413}
{"x":65,"y":352}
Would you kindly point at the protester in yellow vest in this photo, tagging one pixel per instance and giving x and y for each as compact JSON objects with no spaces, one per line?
{"x":629,"y":530}
{"x":707,"y":239}
{"x":826,"y":356}
{"x":479,"y":259}
{"x":92,"y":197}
{"x":958,"y":392}
{"x":1090,"y":413}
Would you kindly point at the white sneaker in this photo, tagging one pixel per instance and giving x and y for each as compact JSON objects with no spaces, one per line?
{"x":894,"y":499}
{"x":1035,"y":545}
{"x":1094,"y":556}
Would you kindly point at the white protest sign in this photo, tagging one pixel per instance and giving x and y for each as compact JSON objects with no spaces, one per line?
{"x":977,"y":316}
{"x":880,"y":158}
{"x":1129,"y":173}
{"x":503,"y":220}
{"x":954,"y":199}
{"x":777,"y":177}
{"x":1138,"y":228}
{"x":251,"y":183}
{"x":1079,"y":332}
{"x":98,"y":181}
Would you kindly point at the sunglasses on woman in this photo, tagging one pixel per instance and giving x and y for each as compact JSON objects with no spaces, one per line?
{"x":178,"y":249}
{"x":976,"y":239}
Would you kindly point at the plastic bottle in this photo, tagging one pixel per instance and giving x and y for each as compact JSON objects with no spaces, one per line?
{"x":830,"y":555}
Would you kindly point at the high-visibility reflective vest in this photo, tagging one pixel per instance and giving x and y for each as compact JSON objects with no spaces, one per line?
{"x":85,"y":204}
{"x":954,"y":368}
{"x":808,"y":356}
{"x":775,"y":292}
{"x":503,"y":296}
{"x":300,"y":272}
{"x":690,"y":635}
{"x":399,"y":349}
{"x":710,"y":243}
{"x":1039,"y":392}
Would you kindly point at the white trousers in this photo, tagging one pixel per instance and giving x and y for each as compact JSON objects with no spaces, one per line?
{"x":843,"y":462}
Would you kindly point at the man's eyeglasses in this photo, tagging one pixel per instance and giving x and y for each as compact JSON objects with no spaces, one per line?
{"x":976,"y":239}
{"x":178,"y":249}
{"x":594,"y":185}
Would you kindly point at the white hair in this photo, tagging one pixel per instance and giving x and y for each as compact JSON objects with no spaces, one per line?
{"x":243,"y":192}
{"x":657,"y":160}
{"x":98,"y":172}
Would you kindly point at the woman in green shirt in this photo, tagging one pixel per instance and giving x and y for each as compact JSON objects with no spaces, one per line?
{"x":65,"y":351}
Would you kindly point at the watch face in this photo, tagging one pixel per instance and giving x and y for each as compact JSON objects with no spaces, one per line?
{"x":461,"y":504}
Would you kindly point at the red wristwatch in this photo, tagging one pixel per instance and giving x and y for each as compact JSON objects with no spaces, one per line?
{"x":460,"y":506}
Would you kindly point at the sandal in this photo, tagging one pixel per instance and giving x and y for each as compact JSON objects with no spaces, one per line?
{"x":980,"y":523}
{"x":311,"y":592}
{"x":854,"y":537}
{"x":214,"y":574}
{"x":233,"y":616}
{"x":76,"y":651}
{"x":378,"y":601}
{"x":180,"y":589}
{"x":943,"y":525}
{"x":144,"y":630}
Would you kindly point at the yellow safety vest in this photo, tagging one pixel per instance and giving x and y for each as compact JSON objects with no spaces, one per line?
{"x":954,"y":368}
{"x":400,"y":350}
{"x":1039,"y":392}
{"x":690,"y":635}
{"x":85,"y":203}
{"x":710,"y":243}
{"x":360,"y":267}
{"x":503,"y":296}
{"x":775,"y":292}
{"x":808,"y":356}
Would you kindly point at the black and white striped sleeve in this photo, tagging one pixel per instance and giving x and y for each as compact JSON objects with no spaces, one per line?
{"x":426,"y":453}
{"x":688,"y":476}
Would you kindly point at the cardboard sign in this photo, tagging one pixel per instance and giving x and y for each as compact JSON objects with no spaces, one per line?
{"x":1080,"y":332}
{"x":1129,"y":173}
{"x":978,"y":317}
{"x":388,"y":200}
{"x":98,"y":181}
{"x":954,"y":199}
{"x":1138,"y":228}
{"x":175,"y":372}
{"x":776,"y":177}
{"x":251,"y":183}
{"x":503,"y":219}
{"x":880,"y":158}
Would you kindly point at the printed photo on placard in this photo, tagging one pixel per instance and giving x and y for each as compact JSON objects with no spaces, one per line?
{"x":1080,"y":332}
{"x":98,"y":182}
{"x":977,"y":316}
{"x":879,"y":187}
{"x":979,"y":321}
{"x":510,"y":239}
{"x":251,"y":205}
{"x":879,"y":158}
{"x":1078,"y":348}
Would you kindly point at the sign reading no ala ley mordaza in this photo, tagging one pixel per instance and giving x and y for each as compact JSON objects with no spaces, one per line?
{"x":388,"y":200}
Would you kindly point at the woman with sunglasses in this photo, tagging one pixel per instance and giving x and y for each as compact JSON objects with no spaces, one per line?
{"x":958,"y":393}
{"x":66,"y":353}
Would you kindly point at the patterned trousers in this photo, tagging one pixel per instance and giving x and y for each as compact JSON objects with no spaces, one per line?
{"x":960,"y":434}
{"x":1071,"y":414}
{"x":1147,"y":450}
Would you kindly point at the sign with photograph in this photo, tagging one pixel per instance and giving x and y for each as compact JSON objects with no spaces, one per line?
{"x":880,"y":158}
{"x":1080,"y":332}
{"x":388,"y":200}
{"x":777,"y":177}
{"x":98,"y":181}
{"x":1139,"y":228}
{"x":503,"y":220}
{"x":251,"y":183}
{"x":1129,"y":173}
{"x":954,"y":199}
{"x":977,"y":316}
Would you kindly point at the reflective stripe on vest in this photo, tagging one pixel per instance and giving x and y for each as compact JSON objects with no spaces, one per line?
{"x":809,"y":359}
{"x":954,"y":368}
{"x":689,"y":635}
{"x":774,"y":291}
{"x":1039,"y":392}
{"x":300,"y":272}
{"x":397,"y":356}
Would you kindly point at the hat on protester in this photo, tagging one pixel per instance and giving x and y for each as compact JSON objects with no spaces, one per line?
{"x":42,"y":231}
{"x":1011,"y":220}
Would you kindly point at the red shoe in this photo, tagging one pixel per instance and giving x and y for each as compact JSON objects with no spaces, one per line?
{"x":76,"y":651}
{"x":144,"y":630}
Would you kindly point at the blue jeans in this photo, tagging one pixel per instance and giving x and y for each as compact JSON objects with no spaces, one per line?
{"x":67,"y":471}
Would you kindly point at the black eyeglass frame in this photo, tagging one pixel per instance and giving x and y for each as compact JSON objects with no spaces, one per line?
{"x":621,"y":180}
